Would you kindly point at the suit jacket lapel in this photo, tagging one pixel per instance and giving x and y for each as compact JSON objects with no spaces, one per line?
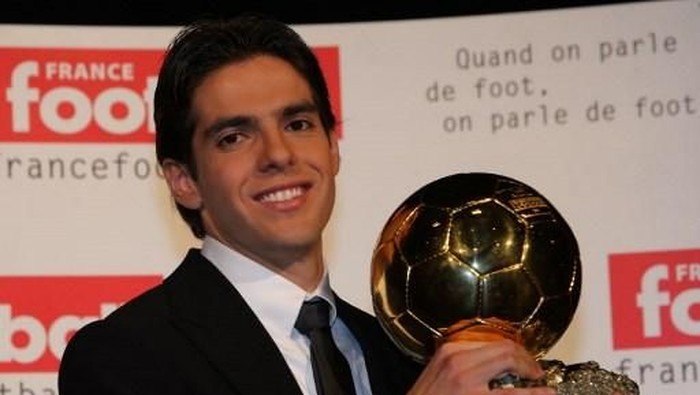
{"x":209,"y":310}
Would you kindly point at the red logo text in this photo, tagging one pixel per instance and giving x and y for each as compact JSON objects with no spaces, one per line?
{"x":655,"y":299}
{"x":77,"y":95}
{"x":39,"y":314}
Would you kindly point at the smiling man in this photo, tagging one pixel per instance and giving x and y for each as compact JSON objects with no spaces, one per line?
{"x":265,"y":166}
{"x":245,"y":136}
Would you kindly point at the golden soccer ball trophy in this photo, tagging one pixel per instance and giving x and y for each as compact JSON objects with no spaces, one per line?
{"x":477,"y":256}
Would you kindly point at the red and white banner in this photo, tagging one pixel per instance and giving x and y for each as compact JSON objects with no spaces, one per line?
{"x":655,"y":299}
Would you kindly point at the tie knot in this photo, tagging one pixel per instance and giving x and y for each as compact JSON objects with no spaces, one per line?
{"x":314,"y":314}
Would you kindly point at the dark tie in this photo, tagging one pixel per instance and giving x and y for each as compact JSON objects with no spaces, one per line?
{"x":331,"y":369}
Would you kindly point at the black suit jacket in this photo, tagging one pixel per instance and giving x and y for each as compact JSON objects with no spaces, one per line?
{"x":194,"y":334}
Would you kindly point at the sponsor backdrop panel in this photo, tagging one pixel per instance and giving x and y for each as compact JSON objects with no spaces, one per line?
{"x":596,"y":108}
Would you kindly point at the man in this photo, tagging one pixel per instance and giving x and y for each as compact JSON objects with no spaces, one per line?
{"x":245,"y":138}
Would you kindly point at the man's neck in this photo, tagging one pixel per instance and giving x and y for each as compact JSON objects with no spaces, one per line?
{"x":302,"y":266}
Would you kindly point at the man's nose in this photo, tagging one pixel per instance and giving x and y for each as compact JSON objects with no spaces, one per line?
{"x":276,"y":150}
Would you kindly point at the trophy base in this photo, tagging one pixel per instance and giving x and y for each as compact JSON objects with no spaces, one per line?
{"x":586,"y":378}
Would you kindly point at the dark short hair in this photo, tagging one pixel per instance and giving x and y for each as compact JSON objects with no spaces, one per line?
{"x":205,"y":46}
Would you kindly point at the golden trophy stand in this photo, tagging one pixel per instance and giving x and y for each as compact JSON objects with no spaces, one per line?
{"x":586,"y":378}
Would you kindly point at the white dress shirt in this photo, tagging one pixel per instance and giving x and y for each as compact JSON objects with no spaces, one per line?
{"x":276,"y":302}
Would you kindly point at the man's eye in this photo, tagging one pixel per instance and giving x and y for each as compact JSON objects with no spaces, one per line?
{"x":229,"y":139}
{"x":299,"y":124}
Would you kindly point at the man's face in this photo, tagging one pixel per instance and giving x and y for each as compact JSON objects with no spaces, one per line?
{"x":265,"y":166}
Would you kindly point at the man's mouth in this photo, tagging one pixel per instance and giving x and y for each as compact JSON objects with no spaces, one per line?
{"x":281,"y":195}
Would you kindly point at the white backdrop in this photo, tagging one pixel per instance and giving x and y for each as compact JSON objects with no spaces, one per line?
{"x":598,"y":110}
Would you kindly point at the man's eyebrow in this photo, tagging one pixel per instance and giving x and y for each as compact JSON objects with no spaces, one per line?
{"x":240,"y":121}
{"x":298,"y":108}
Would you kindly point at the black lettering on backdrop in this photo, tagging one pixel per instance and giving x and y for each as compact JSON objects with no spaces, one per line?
{"x":504,"y":89}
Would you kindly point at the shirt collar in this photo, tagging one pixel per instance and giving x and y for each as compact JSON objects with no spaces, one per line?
{"x":275,"y":300}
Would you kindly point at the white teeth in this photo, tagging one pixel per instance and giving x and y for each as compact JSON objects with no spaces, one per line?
{"x":283,"y":195}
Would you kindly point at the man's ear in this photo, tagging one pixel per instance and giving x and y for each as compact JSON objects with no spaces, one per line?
{"x":182,"y":185}
{"x":335,"y":151}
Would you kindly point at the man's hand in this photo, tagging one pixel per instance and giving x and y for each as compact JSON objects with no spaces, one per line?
{"x":466,"y":367}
